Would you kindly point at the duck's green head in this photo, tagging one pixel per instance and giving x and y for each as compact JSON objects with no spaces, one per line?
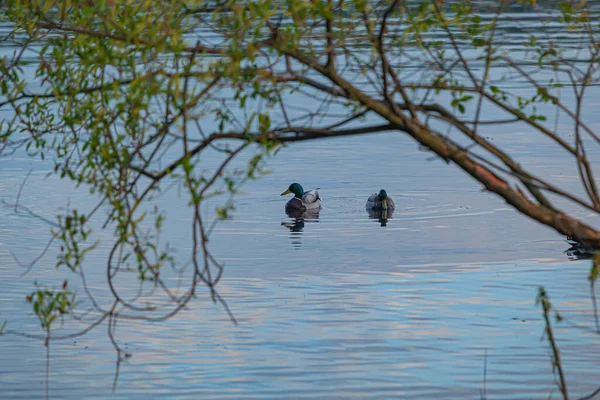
{"x":295,"y":188}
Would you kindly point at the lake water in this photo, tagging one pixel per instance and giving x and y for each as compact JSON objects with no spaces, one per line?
{"x":344,"y":308}
{"x":337,"y":306}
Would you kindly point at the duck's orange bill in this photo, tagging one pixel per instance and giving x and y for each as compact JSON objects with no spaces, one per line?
{"x":286,"y":192}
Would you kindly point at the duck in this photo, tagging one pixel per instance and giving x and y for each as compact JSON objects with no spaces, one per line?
{"x":302,"y":201}
{"x":380,"y":201}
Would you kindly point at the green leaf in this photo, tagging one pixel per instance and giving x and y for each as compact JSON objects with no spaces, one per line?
{"x":478,"y":42}
{"x":532,"y":40}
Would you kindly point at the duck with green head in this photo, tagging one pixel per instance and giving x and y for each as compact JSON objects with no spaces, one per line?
{"x":380,"y":201}
{"x":302,"y":200}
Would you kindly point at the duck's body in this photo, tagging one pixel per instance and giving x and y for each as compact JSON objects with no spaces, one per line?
{"x":302,"y":200}
{"x":380,"y":201}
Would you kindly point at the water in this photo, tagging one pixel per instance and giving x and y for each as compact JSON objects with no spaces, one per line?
{"x":344,"y":308}
{"x":335,"y":306}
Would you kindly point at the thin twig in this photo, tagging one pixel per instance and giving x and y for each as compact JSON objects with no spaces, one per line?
{"x":20,"y":189}
{"x":544,"y":300}
{"x":483,"y":391}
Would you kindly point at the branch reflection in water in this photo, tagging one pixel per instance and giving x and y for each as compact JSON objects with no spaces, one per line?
{"x":296,"y":223}
{"x":381,"y":216}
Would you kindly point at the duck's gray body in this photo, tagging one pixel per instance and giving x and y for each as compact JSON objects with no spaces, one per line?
{"x":310,"y":201}
{"x":373,"y":203}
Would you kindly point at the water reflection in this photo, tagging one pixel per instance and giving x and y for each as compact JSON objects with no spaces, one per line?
{"x":296,"y":224}
{"x":578,"y":251}
{"x":381,"y":215}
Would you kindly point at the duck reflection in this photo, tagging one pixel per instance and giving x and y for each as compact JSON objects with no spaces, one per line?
{"x":381,"y":216}
{"x":579,"y":251}
{"x":296,"y":223}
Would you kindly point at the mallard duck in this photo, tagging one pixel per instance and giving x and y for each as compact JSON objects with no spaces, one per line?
{"x":302,"y":200}
{"x":380,"y":201}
